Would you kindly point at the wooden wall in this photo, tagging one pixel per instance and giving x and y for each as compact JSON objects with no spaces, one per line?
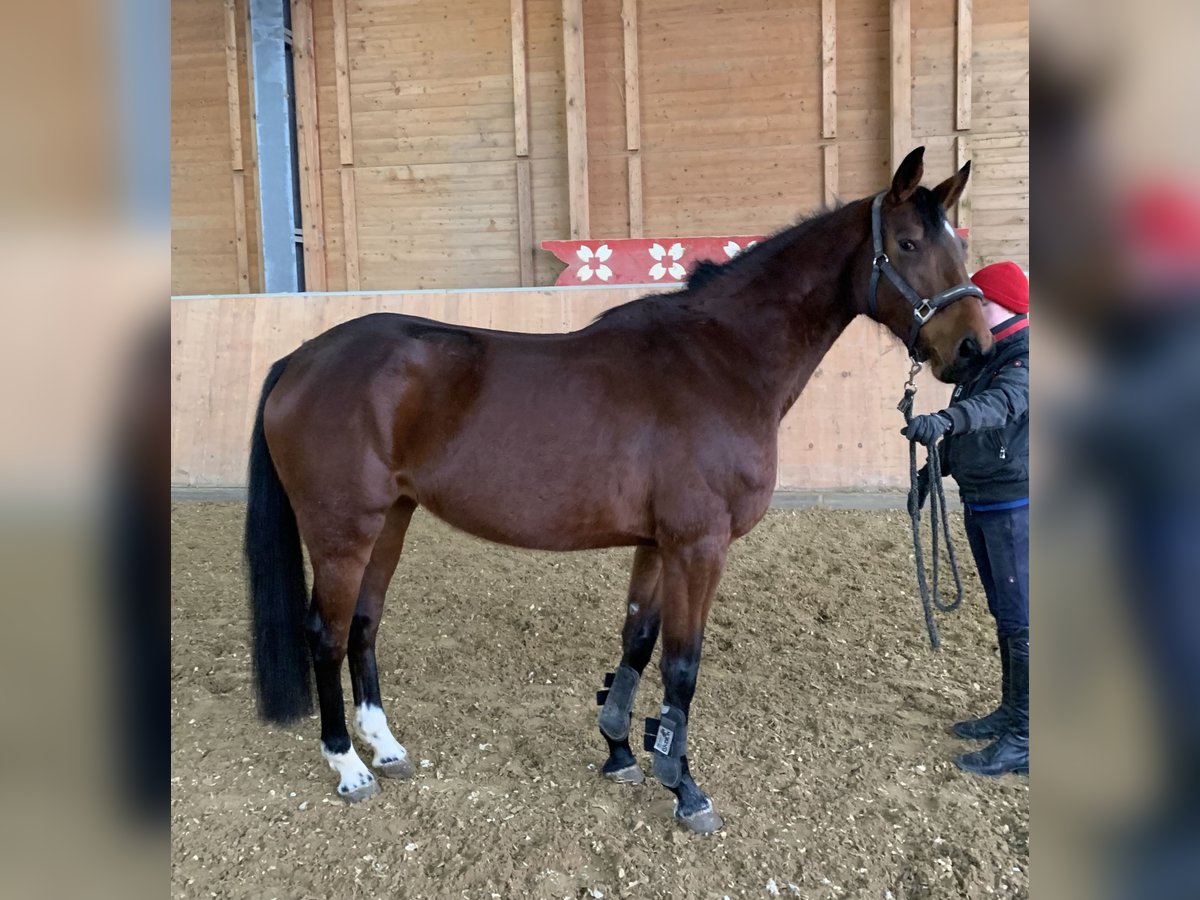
{"x":841,"y":435}
{"x":726,"y":118}
{"x":740,"y":130}
{"x":433,"y":154}
{"x":214,"y":219}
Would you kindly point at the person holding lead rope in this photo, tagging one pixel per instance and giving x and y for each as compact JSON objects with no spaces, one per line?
{"x":985,"y":447}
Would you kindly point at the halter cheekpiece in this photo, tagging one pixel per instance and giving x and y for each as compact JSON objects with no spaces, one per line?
{"x":922,"y":308}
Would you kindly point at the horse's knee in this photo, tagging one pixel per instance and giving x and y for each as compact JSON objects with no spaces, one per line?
{"x":680,"y":671}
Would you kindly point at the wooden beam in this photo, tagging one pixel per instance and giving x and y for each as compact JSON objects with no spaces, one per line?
{"x":312,"y":214}
{"x":341,"y":63}
{"x":901,"y":56}
{"x":577,"y":151}
{"x":520,"y":81}
{"x":962,"y":218}
{"x":962,"y":106}
{"x":350,"y":229}
{"x":231,"y":87}
{"x":636,"y":225}
{"x":831,"y":174}
{"x":236,"y":154}
{"x":239,"y":227}
{"x":525,"y":245}
{"x":633,"y":87}
{"x":251,"y":146}
{"x":829,"y":68}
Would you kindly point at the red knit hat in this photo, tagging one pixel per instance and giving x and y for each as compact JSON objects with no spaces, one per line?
{"x":1004,"y":283}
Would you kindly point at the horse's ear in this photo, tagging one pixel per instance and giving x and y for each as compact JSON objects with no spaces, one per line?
{"x":908,"y":176}
{"x":948,"y":192}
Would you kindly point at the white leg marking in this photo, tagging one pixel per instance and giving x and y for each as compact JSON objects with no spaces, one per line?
{"x":352,"y":774}
{"x":371,"y":725}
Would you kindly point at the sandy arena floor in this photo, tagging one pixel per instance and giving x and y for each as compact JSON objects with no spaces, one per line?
{"x":818,"y":729}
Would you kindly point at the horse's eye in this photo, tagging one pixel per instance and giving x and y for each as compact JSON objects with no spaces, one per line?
{"x":908,"y":246}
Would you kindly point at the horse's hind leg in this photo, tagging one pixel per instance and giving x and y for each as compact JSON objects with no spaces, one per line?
{"x":339,"y":553}
{"x":638,"y":637}
{"x":370,"y":723}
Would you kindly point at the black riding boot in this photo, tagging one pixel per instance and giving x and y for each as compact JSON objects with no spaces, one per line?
{"x":1009,"y":752}
{"x":991,"y":726}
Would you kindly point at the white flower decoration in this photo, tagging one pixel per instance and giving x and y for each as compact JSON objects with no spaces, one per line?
{"x":732,"y":249}
{"x":593,"y":262}
{"x":675,"y":270}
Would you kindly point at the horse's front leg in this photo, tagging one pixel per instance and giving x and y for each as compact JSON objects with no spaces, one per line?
{"x":638,"y":637}
{"x":690,"y":574}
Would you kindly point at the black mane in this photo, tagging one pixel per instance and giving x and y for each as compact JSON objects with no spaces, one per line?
{"x":747,"y":263}
{"x":751,"y":262}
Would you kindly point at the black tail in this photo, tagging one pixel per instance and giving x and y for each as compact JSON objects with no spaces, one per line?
{"x":278,"y":592}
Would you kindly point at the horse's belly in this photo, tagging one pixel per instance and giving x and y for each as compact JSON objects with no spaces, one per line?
{"x":550,"y":510}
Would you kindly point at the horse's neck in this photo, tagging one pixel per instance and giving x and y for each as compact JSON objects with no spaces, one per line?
{"x":796,"y":305}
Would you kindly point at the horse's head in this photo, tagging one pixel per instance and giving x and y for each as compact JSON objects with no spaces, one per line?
{"x":919,"y":287}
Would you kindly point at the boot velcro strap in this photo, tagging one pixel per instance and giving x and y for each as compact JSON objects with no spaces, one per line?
{"x":602,"y":696}
{"x":666,"y":736}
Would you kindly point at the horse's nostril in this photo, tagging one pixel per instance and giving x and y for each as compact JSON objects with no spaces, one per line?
{"x":969,"y":349}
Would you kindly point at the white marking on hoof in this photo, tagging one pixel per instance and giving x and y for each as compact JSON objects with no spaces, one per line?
{"x":633,"y":608}
{"x":371,"y":725}
{"x":355,"y":781}
{"x":702,"y":821}
{"x":628,"y":775}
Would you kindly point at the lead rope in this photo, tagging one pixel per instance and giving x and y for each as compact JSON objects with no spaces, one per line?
{"x":937,"y":504}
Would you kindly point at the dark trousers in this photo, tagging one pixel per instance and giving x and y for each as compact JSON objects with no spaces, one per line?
{"x":1000,"y":544}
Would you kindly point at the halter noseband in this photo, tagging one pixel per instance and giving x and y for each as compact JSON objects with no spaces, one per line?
{"x":922,"y":309}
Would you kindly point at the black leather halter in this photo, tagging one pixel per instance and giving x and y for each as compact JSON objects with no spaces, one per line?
{"x":922,"y":309}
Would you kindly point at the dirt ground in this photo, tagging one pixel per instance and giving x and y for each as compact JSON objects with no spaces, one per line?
{"x":817,"y":728}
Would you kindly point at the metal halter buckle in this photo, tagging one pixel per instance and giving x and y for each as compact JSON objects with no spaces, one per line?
{"x":924,"y":311}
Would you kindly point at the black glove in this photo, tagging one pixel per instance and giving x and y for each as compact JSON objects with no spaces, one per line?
{"x":928,"y":428}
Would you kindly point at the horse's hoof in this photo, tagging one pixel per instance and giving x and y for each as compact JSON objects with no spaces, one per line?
{"x":360,"y":793}
{"x":396,"y":768}
{"x":703,"y":821}
{"x":628,"y":775}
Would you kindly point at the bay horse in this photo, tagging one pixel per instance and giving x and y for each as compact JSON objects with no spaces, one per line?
{"x":654,"y":427}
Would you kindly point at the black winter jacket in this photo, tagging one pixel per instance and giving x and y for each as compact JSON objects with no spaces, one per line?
{"x":988,"y":452}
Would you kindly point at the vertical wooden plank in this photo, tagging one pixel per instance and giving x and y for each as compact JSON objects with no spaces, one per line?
{"x":577,"y":151}
{"x":962,"y":107}
{"x":341,"y":58}
{"x":901,"y":47}
{"x":341,"y":61}
{"x":308,"y":146}
{"x":236,"y":155}
{"x":525,"y":222}
{"x":231,"y":85}
{"x":520,"y":82}
{"x":962,"y":153}
{"x":829,"y":68}
{"x":831,"y":174}
{"x":636,"y":226}
{"x":350,"y":229}
{"x":239,"y":225}
{"x":250,"y":155}
{"x":633,"y":87}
